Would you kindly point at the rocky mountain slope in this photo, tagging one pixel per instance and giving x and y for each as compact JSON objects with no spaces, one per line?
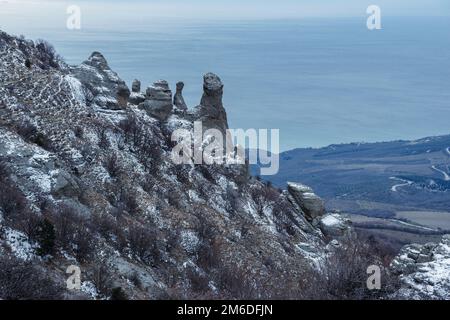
{"x":87,"y":180}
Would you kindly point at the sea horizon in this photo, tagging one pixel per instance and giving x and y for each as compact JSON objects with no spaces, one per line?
{"x":381,"y":85}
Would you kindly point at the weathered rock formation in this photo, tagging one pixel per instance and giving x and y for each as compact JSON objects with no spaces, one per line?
{"x":309,"y":202}
{"x":178,"y":99}
{"x":136,"y":96}
{"x":211,"y":111}
{"x":136,"y":86}
{"x":158,"y":101}
{"x":102,"y":87}
{"x":123,"y":94}
{"x":335,"y":225}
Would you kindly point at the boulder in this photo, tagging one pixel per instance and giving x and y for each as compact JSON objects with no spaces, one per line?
{"x":311,"y":204}
{"x":136,"y":98}
{"x":334,"y":225}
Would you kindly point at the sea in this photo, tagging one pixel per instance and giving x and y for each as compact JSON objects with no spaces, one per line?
{"x":320,"y":81}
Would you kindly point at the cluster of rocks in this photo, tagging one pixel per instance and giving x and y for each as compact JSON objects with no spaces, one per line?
{"x":104,"y":89}
{"x":159,"y":102}
{"x":424,"y":270}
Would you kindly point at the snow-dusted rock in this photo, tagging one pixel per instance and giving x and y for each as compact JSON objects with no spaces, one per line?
{"x":103,"y":85}
{"x":136,"y":98}
{"x":211,"y":111}
{"x":311,"y":204}
{"x":424,"y":270}
{"x":178,"y":99}
{"x":334,"y":225}
{"x":123,"y":93}
{"x":158,"y":103}
{"x":136,"y":86}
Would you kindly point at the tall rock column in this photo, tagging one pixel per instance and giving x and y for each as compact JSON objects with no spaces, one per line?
{"x":136,"y":96}
{"x":211,"y":111}
{"x":136,"y":86}
{"x":178,"y":99}
{"x":123,"y":94}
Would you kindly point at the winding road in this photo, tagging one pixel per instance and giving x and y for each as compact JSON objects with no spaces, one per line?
{"x":404,"y":184}
{"x":446,"y":176}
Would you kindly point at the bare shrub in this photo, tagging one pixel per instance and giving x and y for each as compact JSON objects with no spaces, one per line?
{"x":131,"y":129}
{"x":128,"y":201}
{"x":112,"y":165}
{"x":102,"y":278}
{"x":145,"y":144}
{"x":103,"y":141}
{"x":4,"y":171}
{"x":12,"y":201}
{"x":285,"y":216}
{"x":208,"y":254}
{"x":105,"y":225}
{"x":79,"y":132}
{"x":73,"y":232}
{"x":45,"y":236}
{"x":31,"y":134}
{"x":235,"y":283}
{"x":28,"y":222}
{"x":149,"y":153}
{"x":136,"y":280}
{"x":199,"y":282}
{"x":47,"y":54}
{"x":263,"y":196}
{"x":143,"y":244}
{"x":344,"y":274}
{"x":25,"y":281}
{"x":65,"y":220}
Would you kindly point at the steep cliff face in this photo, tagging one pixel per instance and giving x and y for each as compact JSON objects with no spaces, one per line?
{"x":90,"y":163}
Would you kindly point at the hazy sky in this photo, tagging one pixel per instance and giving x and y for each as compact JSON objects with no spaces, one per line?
{"x":226,"y":9}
